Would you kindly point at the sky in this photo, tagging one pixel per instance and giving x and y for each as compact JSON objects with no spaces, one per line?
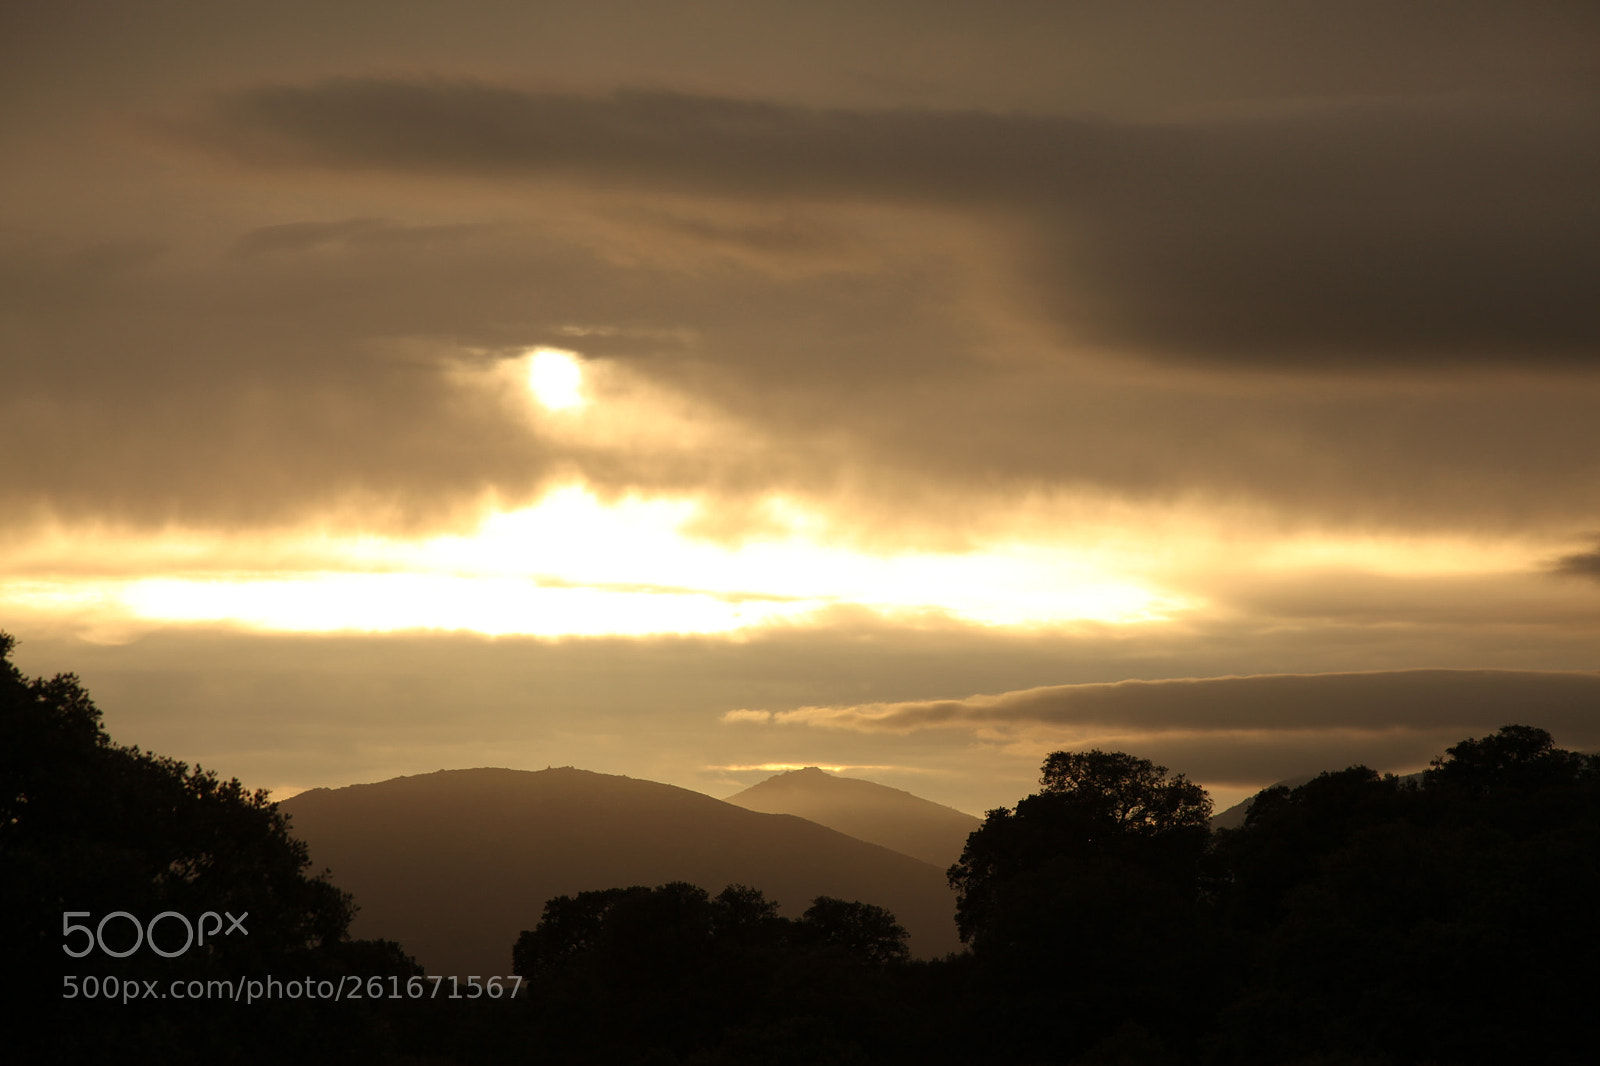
{"x":695,"y":390}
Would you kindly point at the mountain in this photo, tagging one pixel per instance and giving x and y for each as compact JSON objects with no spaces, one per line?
{"x":868,"y":811}
{"x":455,"y":864}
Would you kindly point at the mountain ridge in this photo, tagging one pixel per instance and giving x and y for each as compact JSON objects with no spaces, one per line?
{"x":456,"y":863}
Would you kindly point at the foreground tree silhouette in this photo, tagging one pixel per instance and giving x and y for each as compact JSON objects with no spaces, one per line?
{"x":88,"y":825}
{"x":1080,"y":903}
{"x":1510,"y":764}
{"x":1388,"y":921}
{"x":622,"y":973}
{"x":1093,"y":807}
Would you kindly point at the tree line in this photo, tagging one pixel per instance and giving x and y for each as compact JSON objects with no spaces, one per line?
{"x":1358,"y":918}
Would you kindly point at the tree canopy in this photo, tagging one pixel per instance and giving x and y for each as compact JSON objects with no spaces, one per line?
{"x":1092,"y":807}
{"x":672,"y":967}
{"x":87,"y":825}
{"x":1388,"y":920}
{"x":1123,"y":793}
{"x":1069,"y":899}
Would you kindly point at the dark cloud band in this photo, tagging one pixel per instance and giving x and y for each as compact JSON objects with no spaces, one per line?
{"x":1371,"y":236}
{"x":1248,"y":730}
{"x":1376,"y":700}
{"x":1580,"y":564}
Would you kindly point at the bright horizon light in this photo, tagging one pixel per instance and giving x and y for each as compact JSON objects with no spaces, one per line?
{"x":378,"y":603}
{"x":573,"y":565}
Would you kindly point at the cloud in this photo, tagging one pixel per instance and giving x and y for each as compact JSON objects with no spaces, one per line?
{"x":1364,"y":236}
{"x":1367,"y":700}
{"x":746,"y":716}
{"x":1250,"y":728}
{"x":325,"y":368}
{"x":343,"y":370}
{"x":346,"y":235}
{"x":905,"y":318}
{"x":1200,"y":281}
{"x":1579,"y":564}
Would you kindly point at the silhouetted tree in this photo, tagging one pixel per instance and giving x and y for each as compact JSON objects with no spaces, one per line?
{"x":1518,"y":759}
{"x":90,"y":826}
{"x":1081,"y":904}
{"x":621,"y":973}
{"x":744,"y":915}
{"x":1288,"y":833}
{"x":1387,"y":922}
{"x":1092,"y":806}
{"x":859,"y":931}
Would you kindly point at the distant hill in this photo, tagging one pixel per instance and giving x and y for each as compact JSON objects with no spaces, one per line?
{"x":456,"y":864}
{"x":868,"y":811}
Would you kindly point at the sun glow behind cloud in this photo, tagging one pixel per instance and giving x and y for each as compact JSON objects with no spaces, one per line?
{"x":573,"y":564}
{"x":576,"y":565}
{"x":556,"y":378}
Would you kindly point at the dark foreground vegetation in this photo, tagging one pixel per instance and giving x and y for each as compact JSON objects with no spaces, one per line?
{"x":1358,"y":918}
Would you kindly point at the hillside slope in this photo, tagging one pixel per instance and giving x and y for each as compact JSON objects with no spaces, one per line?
{"x":456,"y":864}
{"x":866,"y":810}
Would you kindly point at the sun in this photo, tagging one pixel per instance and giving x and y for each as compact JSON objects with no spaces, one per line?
{"x":556,"y":379}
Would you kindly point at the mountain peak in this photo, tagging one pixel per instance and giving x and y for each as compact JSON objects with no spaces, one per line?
{"x":455,"y":863}
{"x":866,"y":810}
